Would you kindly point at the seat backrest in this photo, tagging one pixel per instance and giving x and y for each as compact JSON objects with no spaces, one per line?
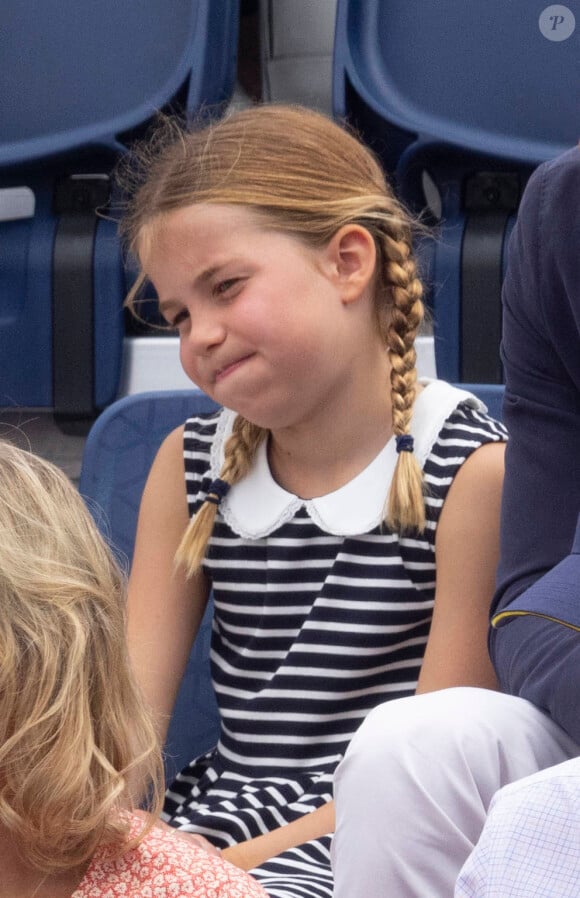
{"x":464,"y":260}
{"x":78,"y":74}
{"x":118,"y":455}
{"x":457,"y":95}
{"x":78,"y":82}
{"x":479,"y":76}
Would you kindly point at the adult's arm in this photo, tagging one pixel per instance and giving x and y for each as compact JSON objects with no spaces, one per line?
{"x":534,"y":658}
{"x":529,"y":842}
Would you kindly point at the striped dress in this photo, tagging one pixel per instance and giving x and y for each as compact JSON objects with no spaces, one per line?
{"x":321,"y":613}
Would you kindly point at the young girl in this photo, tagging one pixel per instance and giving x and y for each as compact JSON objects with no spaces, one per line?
{"x":319,"y":498}
{"x":77,"y":748}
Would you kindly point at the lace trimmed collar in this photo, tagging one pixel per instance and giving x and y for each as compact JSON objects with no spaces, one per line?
{"x":257,"y":505}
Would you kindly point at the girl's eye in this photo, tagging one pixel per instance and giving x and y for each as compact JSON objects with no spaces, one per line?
{"x":178,"y":318}
{"x":224,"y":286}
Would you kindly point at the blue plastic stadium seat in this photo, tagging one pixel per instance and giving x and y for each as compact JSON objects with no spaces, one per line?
{"x":459,"y":74}
{"x":467,"y":97}
{"x":79,"y":81}
{"x":118,"y":455}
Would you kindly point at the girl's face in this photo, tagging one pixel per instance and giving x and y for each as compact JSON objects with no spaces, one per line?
{"x":262,"y":321}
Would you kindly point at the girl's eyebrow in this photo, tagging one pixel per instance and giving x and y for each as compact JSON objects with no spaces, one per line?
{"x":209,"y":273}
{"x":202,"y":278}
{"x":212,"y":270}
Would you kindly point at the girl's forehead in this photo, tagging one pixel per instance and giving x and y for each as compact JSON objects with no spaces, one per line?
{"x":205,"y":228}
{"x":200,"y":221}
{"x":214,"y":216}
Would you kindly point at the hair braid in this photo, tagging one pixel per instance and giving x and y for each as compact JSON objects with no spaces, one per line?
{"x":239,"y":453}
{"x":406,"y":506}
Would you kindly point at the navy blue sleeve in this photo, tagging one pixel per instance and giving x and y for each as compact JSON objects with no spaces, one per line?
{"x":539,"y":660}
{"x":534,"y":658}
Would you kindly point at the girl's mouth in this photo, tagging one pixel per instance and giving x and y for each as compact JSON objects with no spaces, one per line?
{"x":230,"y":368}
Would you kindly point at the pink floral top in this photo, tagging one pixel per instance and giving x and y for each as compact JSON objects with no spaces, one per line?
{"x":164,"y":866}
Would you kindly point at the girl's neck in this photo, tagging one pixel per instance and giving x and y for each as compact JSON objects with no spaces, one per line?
{"x":314,"y":461}
{"x":18,"y":879}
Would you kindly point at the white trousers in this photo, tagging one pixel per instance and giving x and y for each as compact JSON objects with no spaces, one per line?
{"x":414,"y":787}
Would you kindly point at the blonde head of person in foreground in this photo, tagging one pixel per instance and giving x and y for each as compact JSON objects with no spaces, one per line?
{"x":78,"y":750}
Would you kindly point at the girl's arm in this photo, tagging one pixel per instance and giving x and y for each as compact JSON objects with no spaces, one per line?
{"x":467,"y":551}
{"x":255,"y":852}
{"x":164,"y":609}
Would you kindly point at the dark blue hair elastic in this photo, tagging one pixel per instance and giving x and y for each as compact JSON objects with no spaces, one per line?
{"x":404,"y":442}
{"x":217,"y":491}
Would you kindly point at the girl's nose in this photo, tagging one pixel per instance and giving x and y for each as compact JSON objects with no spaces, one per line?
{"x":207,"y":330}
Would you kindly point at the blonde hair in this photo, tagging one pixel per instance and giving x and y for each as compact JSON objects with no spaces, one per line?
{"x":75,"y":737}
{"x":309,"y":177}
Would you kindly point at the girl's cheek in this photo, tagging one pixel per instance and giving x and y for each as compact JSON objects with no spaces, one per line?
{"x":186,"y":359}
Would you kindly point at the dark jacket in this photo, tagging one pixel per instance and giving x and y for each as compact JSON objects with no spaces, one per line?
{"x":534,"y":658}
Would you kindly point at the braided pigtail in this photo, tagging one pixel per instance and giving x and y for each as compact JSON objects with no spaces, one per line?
{"x":406,"y":505}
{"x":240,"y":451}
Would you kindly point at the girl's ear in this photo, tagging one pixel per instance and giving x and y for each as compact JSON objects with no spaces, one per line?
{"x":352,"y":255}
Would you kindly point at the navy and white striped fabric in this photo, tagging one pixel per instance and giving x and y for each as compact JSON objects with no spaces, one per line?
{"x":312,"y":629}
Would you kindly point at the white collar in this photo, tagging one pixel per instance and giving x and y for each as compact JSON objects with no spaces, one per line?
{"x":257,"y":505}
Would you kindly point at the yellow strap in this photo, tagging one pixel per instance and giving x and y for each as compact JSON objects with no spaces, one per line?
{"x":504,"y":615}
